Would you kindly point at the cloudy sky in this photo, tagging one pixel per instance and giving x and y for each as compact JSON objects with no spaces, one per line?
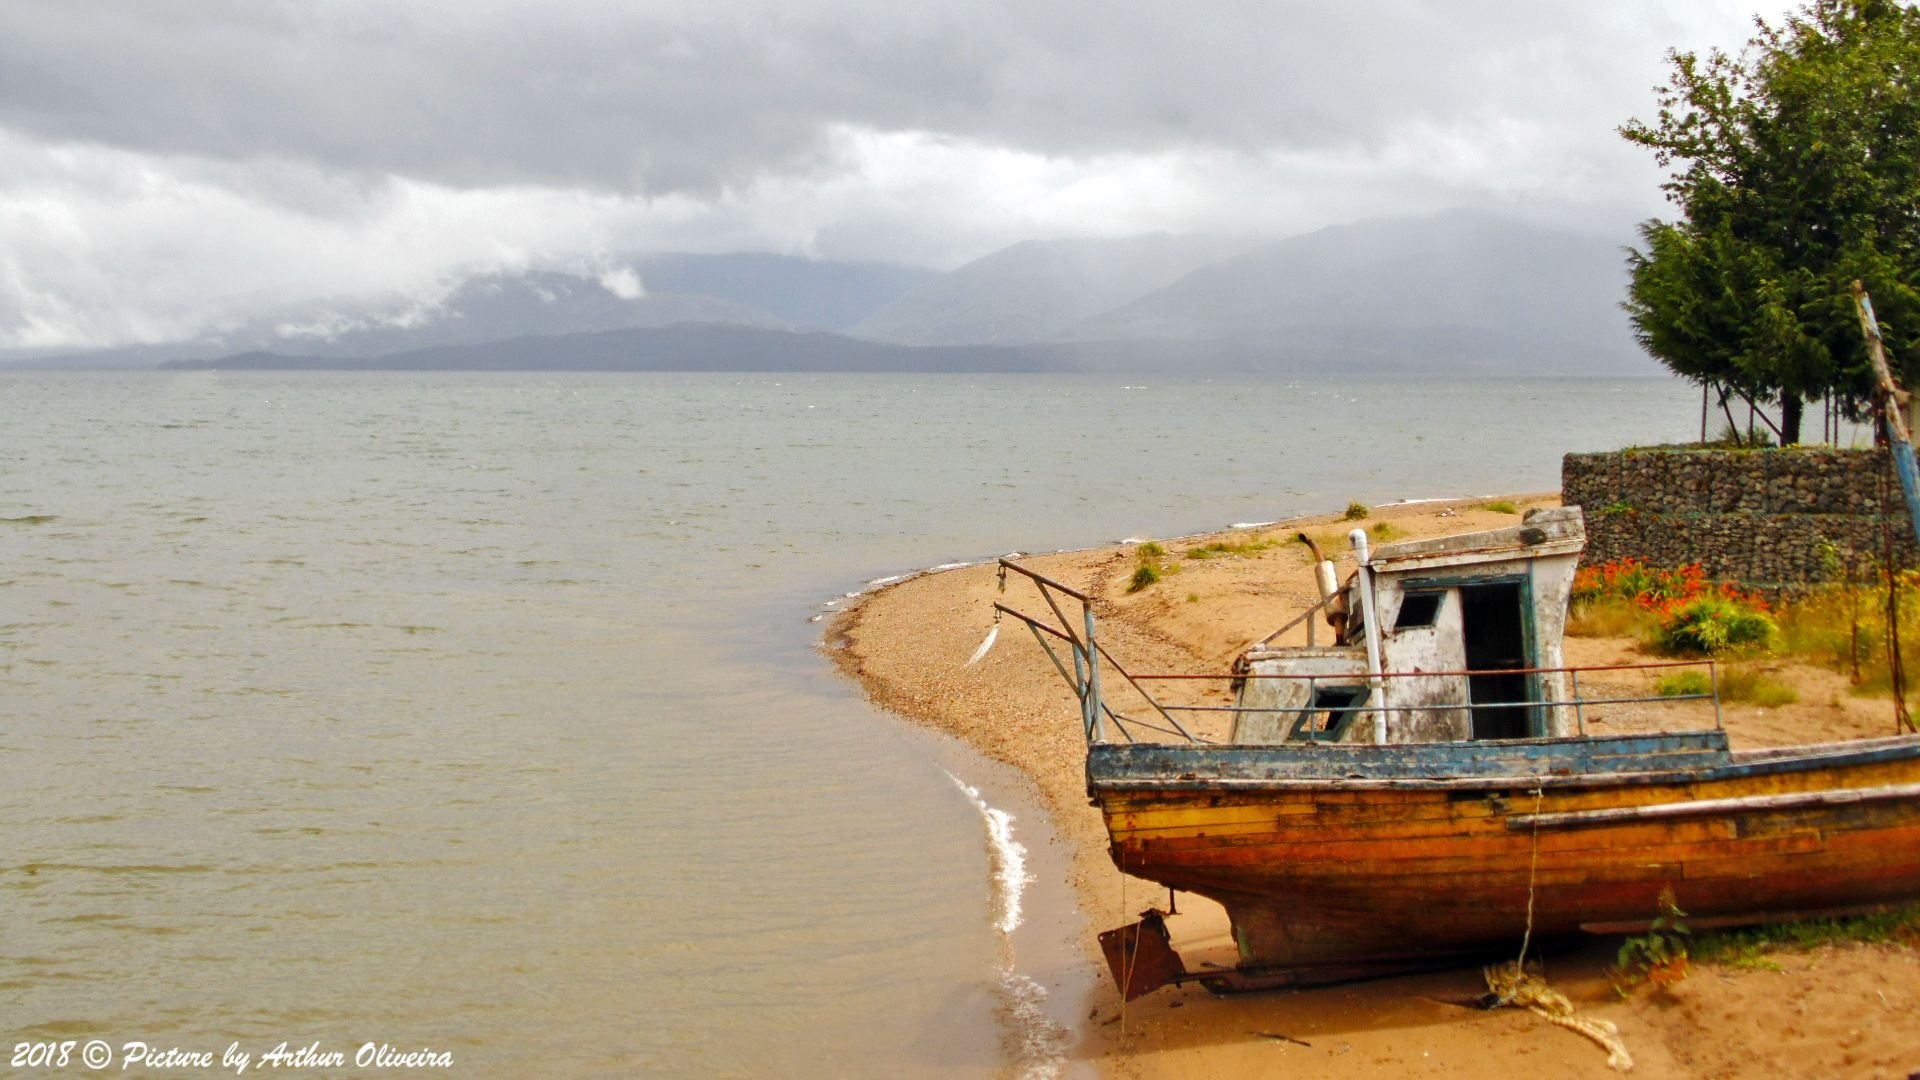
{"x":167,"y":166}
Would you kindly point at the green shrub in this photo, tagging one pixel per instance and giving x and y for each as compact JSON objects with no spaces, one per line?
{"x":1684,"y":684}
{"x":1735,"y":683}
{"x":1149,"y":555}
{"x":1734,"y":437}
{"x":1678,"y":610}
{"x":1663,"y":954}
{"x":1220,"y":549}
{"x":1357,"y":511}
{"x":1755,"y":688}
{"x":1710,"y":624}
{"x":1501,"y":506}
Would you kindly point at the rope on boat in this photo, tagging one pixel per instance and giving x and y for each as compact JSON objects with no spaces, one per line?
{"x":1513,"y":985}
{"x":1533,"y":869}
{"x":1126,"y":980}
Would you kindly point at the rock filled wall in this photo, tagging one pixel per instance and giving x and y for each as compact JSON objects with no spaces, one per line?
{"x":1768,"y":518}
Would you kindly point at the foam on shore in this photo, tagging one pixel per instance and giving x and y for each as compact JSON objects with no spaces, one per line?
{"x":1036,"y":1043}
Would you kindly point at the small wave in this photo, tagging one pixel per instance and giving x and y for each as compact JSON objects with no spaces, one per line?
{"x":1039,"y":1043}
{"x":1006,"y":860}
{"x":1036,"y":1043}
{"x":1252,"y":524}
{"x":837,"y":603}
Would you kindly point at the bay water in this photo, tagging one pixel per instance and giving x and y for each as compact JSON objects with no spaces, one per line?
{"x":485,"y":714}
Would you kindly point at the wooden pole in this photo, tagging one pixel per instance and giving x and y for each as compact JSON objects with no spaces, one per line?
{"x":1892,"y":402}
{"x":1895,"y":397}
{"x":1900,"y":448}
{"x":1733,"y":426}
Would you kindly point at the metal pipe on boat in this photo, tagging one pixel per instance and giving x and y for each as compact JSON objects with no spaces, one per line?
{"x":1096,"y":728}
{"x":1328,"y":582}
{"x":1323,"y":576}
{"x":1363,"y":581}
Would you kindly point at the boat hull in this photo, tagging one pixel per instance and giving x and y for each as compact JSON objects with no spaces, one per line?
{"x":1370,"y":854}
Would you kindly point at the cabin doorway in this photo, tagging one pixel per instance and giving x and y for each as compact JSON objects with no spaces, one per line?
{"x":1493,"y":626}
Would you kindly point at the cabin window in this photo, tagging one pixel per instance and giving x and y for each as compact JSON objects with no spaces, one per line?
{"x":1329,"y":715}
{"x":1418,"y":609}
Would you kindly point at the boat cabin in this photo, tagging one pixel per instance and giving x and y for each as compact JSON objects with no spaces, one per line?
{"x":1450,"y":639}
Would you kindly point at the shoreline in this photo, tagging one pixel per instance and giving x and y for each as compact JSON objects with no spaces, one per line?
{"x":879,"y":637}
{"x":906,"y":641}
{"x":830,"y":610}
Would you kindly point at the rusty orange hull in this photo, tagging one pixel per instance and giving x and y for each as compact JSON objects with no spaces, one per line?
{"x":1331,"y":855}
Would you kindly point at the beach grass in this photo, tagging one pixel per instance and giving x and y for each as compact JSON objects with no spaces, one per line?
{"x":1755,"y":946}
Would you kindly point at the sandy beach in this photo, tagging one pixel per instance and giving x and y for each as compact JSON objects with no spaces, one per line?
{"x":1835,"y":1011}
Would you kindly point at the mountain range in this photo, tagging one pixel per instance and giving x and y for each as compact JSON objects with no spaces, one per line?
{"x":1460,"y":291}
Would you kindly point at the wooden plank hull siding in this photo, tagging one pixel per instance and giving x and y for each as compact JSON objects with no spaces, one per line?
{"x":1415,"y":851}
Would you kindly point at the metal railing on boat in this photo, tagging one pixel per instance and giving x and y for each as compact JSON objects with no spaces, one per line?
{"x":1086,"y":654}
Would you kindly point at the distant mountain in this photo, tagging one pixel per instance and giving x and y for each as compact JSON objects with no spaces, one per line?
{"x":1511,"y":294}
{"x":1457,"y":292}
{"x":127,"y":356}
{"x":1034,"y":291}
{"x":768,"y":291}
{"x":816,"y":293}
{"x":497,"y":306}
{"x":708,"y":347}
{"x":679,"y":347}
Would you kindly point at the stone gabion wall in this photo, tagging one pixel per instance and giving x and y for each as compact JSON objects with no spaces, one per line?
{"x":1761,"y":517}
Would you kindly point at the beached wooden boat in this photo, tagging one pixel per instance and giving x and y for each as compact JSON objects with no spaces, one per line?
{"x":1424,"y":790}
{"x":1360,"y":860}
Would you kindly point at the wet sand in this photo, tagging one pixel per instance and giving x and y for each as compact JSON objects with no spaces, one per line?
{"x":1837,"y":1011}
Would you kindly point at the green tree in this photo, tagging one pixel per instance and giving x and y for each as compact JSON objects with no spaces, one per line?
{"x":1796,"y":169}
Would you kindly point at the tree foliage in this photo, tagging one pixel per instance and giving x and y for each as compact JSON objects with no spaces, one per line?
{"x":1796,"y":169}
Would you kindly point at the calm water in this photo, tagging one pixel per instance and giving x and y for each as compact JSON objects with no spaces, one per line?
{"x":483,"y":714}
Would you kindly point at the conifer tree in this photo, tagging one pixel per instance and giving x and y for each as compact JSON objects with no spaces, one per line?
{"x":1796,"y":169}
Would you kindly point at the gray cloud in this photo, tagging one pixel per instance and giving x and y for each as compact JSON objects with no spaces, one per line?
{"x":167,"y":165}
{"x":696,"y":97}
